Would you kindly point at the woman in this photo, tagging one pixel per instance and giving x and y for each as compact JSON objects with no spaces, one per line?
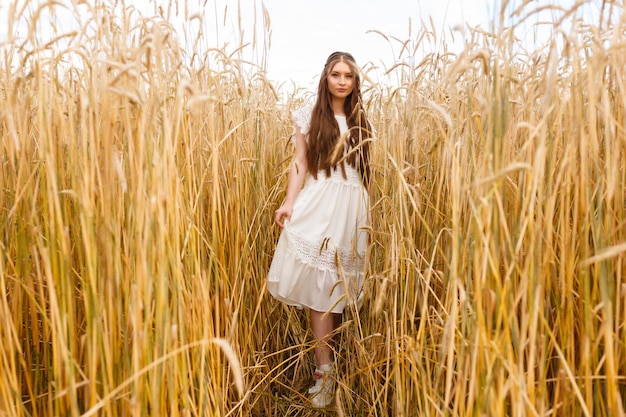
{"x":319,"y":259}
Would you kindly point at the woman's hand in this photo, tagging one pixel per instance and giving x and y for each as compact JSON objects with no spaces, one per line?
{"x":283,"y":212}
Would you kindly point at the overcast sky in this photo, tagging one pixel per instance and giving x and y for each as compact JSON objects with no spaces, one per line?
{"x":304,"y":33}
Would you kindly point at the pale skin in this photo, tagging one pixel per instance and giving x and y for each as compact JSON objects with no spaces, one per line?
{"x":340,"y":84}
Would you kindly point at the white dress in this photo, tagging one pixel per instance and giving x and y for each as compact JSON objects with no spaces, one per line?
{"x":319,"y":259}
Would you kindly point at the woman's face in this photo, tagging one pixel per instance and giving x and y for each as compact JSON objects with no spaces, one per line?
{"x":340,"y":80}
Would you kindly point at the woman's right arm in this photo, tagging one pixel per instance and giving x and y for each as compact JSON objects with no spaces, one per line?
{"x":297,"y":174}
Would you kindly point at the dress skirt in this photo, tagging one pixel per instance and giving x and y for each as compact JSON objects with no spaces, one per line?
{"x":319,"y":259}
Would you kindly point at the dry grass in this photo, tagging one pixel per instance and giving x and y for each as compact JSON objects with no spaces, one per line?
{"x":137,"y":188}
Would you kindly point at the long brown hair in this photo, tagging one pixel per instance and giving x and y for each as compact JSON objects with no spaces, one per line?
{"x":324,"y":137}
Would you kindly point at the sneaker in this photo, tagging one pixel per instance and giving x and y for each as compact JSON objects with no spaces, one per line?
{"x":324,"y":389}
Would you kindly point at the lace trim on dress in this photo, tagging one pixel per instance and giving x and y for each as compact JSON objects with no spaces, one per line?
{"x":302,"y":118}
{"x":352,"y":176}
{"x":324,"y":255}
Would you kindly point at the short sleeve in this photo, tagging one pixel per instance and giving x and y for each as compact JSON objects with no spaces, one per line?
{"x":302,"y":119}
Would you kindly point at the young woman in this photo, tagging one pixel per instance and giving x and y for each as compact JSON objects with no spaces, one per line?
{"x":320,"y":256}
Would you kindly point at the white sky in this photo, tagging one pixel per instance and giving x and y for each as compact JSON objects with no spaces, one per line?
{"x":304,"y":33}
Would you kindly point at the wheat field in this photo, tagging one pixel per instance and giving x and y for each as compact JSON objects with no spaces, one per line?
{"x":138,"y":181}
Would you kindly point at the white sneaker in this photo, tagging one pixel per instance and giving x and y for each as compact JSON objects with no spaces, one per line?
{"x":324,"y":389}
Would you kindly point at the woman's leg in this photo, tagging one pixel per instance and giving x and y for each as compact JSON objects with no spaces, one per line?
{"x":323,"y":324}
